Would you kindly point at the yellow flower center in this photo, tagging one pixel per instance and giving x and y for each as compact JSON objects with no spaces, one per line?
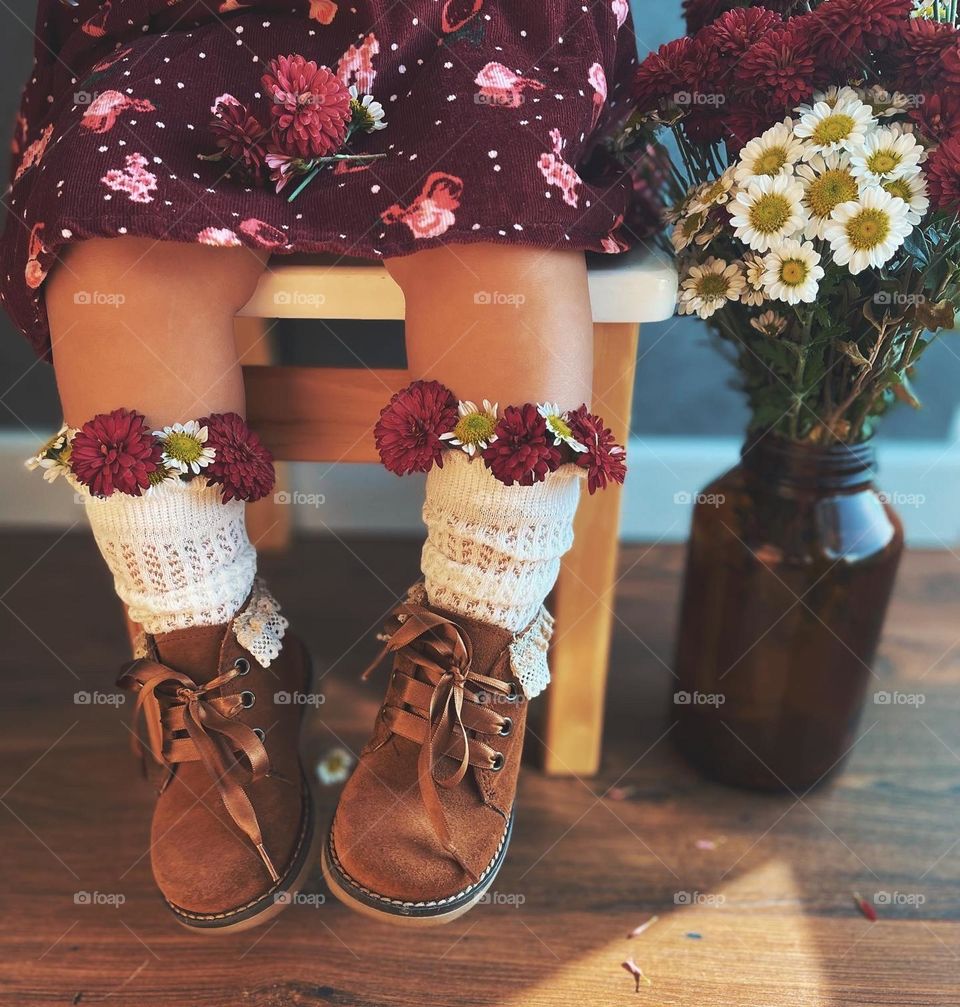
{"x":183,"y":447}
{"x":770,"y":161}
{"x":158,"y":475}
{"x":474,"y":428}
{"x":833,"y":129}
{"x":868,"y":229}
{"x":793,"y":272}
{"x":691,"y":225}
{"x":833,"y":187}
{"x":559,"y":426}
{"x":881,"y":162}
{"x":712,"y":285}
{"x":770,"y":213}
{"x":899,"y":187}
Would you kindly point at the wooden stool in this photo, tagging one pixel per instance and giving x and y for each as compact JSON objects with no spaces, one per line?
{"x":328,"y":415}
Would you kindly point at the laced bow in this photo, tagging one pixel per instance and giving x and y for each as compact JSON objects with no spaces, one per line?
{"x":449,"y":702}
{"x":170,"y":702}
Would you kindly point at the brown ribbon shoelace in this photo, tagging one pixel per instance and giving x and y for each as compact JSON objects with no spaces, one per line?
{"x":443,"y":707}
{"x":172,"y":703}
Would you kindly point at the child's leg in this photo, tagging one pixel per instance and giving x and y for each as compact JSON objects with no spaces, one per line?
{"x":147,"y":327}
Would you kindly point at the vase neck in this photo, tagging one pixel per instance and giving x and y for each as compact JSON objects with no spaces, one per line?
{"x":808,"y":466}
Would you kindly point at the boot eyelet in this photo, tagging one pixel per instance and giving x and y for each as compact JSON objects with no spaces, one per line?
{"x":513,"y":695}
{"x":259,"y":732}
{"x":242,"y":665}
{"x":498,"y":762}
{"x":506,"y":727}
{"x":247,"y":699}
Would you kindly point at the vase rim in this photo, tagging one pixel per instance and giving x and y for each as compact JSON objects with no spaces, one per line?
{"x":785,"y":460}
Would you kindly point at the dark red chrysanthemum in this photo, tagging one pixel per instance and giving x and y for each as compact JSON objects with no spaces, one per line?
{"x":408,"y":432}
{"x":734,"y":32}
{"x":781,"y":65}
{"x":311,"y":107}
{"x":604,"y":459}
{"x":744,"y":121}
{"x":943,"y":175}
{"x":699,"y":13}
{"x":115,"y":451}
{"x":242,"y":467}
{"x":842,"y":31}
{"x":673,"y":68}
{"x":524,"y":451}
{"x":239,"y":135}
{"x":937,"y":115}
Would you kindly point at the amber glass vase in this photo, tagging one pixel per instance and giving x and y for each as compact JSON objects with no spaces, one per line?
{"x":791,"y":562}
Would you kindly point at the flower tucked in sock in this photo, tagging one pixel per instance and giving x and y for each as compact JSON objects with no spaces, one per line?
{"x":502,"y":491}
{"x":167,"y":511}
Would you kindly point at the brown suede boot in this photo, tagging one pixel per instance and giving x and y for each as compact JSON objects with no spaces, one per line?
{"x":423,"y":824}
{"x":234,"y":829}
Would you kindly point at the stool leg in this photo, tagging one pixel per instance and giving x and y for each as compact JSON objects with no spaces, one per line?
{"x":584,"y":596}
{"x":269,"y":524}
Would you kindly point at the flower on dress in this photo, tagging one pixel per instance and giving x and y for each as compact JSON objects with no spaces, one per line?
{"x":408,"y":432}
{"x":827,"y":128}
{"x":768,"y":210}
{"x":367,"y":113}
{"x":522,"y":452}
{"x":311,"y":107}
{"x":475,"y":427}
{"x":604,"y":459}
{"x":770,"y":323}
{"x":707,"y":287}
{"x":185,"y":447}
{"x":54,"y":456}
{"x":828,"y":182}
{"x":773,"y":153}
{"x":240,"y":136}
{"x":558,"y":424}
{"x":115,"y":452}
{"x":242,"y":467}
{"x":793,"y":272}
{"x":885,"y":155}
{"x":868,"y":231}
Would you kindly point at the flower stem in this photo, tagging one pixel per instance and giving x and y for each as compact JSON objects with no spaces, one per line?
{"x":322,"y":162}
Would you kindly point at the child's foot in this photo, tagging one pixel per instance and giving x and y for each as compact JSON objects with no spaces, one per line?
{"x":234,"y":827}
{"x":423,"y":824}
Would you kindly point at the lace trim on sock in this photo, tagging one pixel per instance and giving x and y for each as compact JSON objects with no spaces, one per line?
{"x":260,"y":627}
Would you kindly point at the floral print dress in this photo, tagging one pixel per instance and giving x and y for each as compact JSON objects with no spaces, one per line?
{"x":492,"y":110}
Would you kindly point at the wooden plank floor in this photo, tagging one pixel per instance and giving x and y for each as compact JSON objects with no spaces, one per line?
{"x":753,"y":892}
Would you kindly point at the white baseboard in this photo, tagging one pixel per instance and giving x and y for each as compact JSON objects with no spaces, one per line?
{"x":921,"y":477}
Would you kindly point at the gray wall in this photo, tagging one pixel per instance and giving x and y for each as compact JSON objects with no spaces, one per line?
{"x":682,"y":385}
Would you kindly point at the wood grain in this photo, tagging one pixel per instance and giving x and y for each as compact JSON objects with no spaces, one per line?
{"x":771,"y":901}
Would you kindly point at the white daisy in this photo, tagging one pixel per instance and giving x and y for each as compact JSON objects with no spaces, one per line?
{"x":886,"y":155}
{"x":753,"y":269}
{"x":54,"y":455}
{"x":842,"y":126}
{"x":793,"y":272}
{"x":770,"y":154}
{"x":768,"y":210}
{"x":708,"y":287}
{"x":559,"y":426}
{"x":770,"y":323}
{"x":709,"y":194}
{"x":913,"y":191}
{"x":882,"y":102}
{"x":474,"y":429}
{"x":833,"y":94}
{"x":867,"y":232}
{"x":827,"y":182}
{"x":367,"y":112}
{"x":686,"y":230}
{"x":183,"y":447}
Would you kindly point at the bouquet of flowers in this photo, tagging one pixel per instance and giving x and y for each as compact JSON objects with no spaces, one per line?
{"x":814,"y":187}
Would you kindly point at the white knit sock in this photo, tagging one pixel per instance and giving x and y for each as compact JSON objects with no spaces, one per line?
{"x":493,"y":551}
{"x":179,"y":556}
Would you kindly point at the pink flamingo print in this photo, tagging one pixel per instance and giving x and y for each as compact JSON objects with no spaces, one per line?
{"x":598,"y":81}
{"x":35,"y":274}
{"x":262,"y":234}
{"x":557,"y":172}
{"x":114,"y":57}
{"x":499,"y":85}
{"x":221,"y":237}
{"x":134,"y":179}
{"x":323,"y":11}
{"x":102,"y":114}
{"x":96,"y":26}
{"x":612,"y":244}
{"x":231,"y":5}
{"x":33,"y":154}
{"x":621,"y":10}
{"x":432,"y":212}
{"x":456,"y":13}
{"x":356,"y":65}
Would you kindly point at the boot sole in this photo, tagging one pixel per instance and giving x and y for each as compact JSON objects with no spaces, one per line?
{"x":269,"y":904}
{"x":408,"y":914}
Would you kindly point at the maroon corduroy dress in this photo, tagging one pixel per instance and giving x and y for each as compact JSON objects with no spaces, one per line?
{"x":492,"y":110}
